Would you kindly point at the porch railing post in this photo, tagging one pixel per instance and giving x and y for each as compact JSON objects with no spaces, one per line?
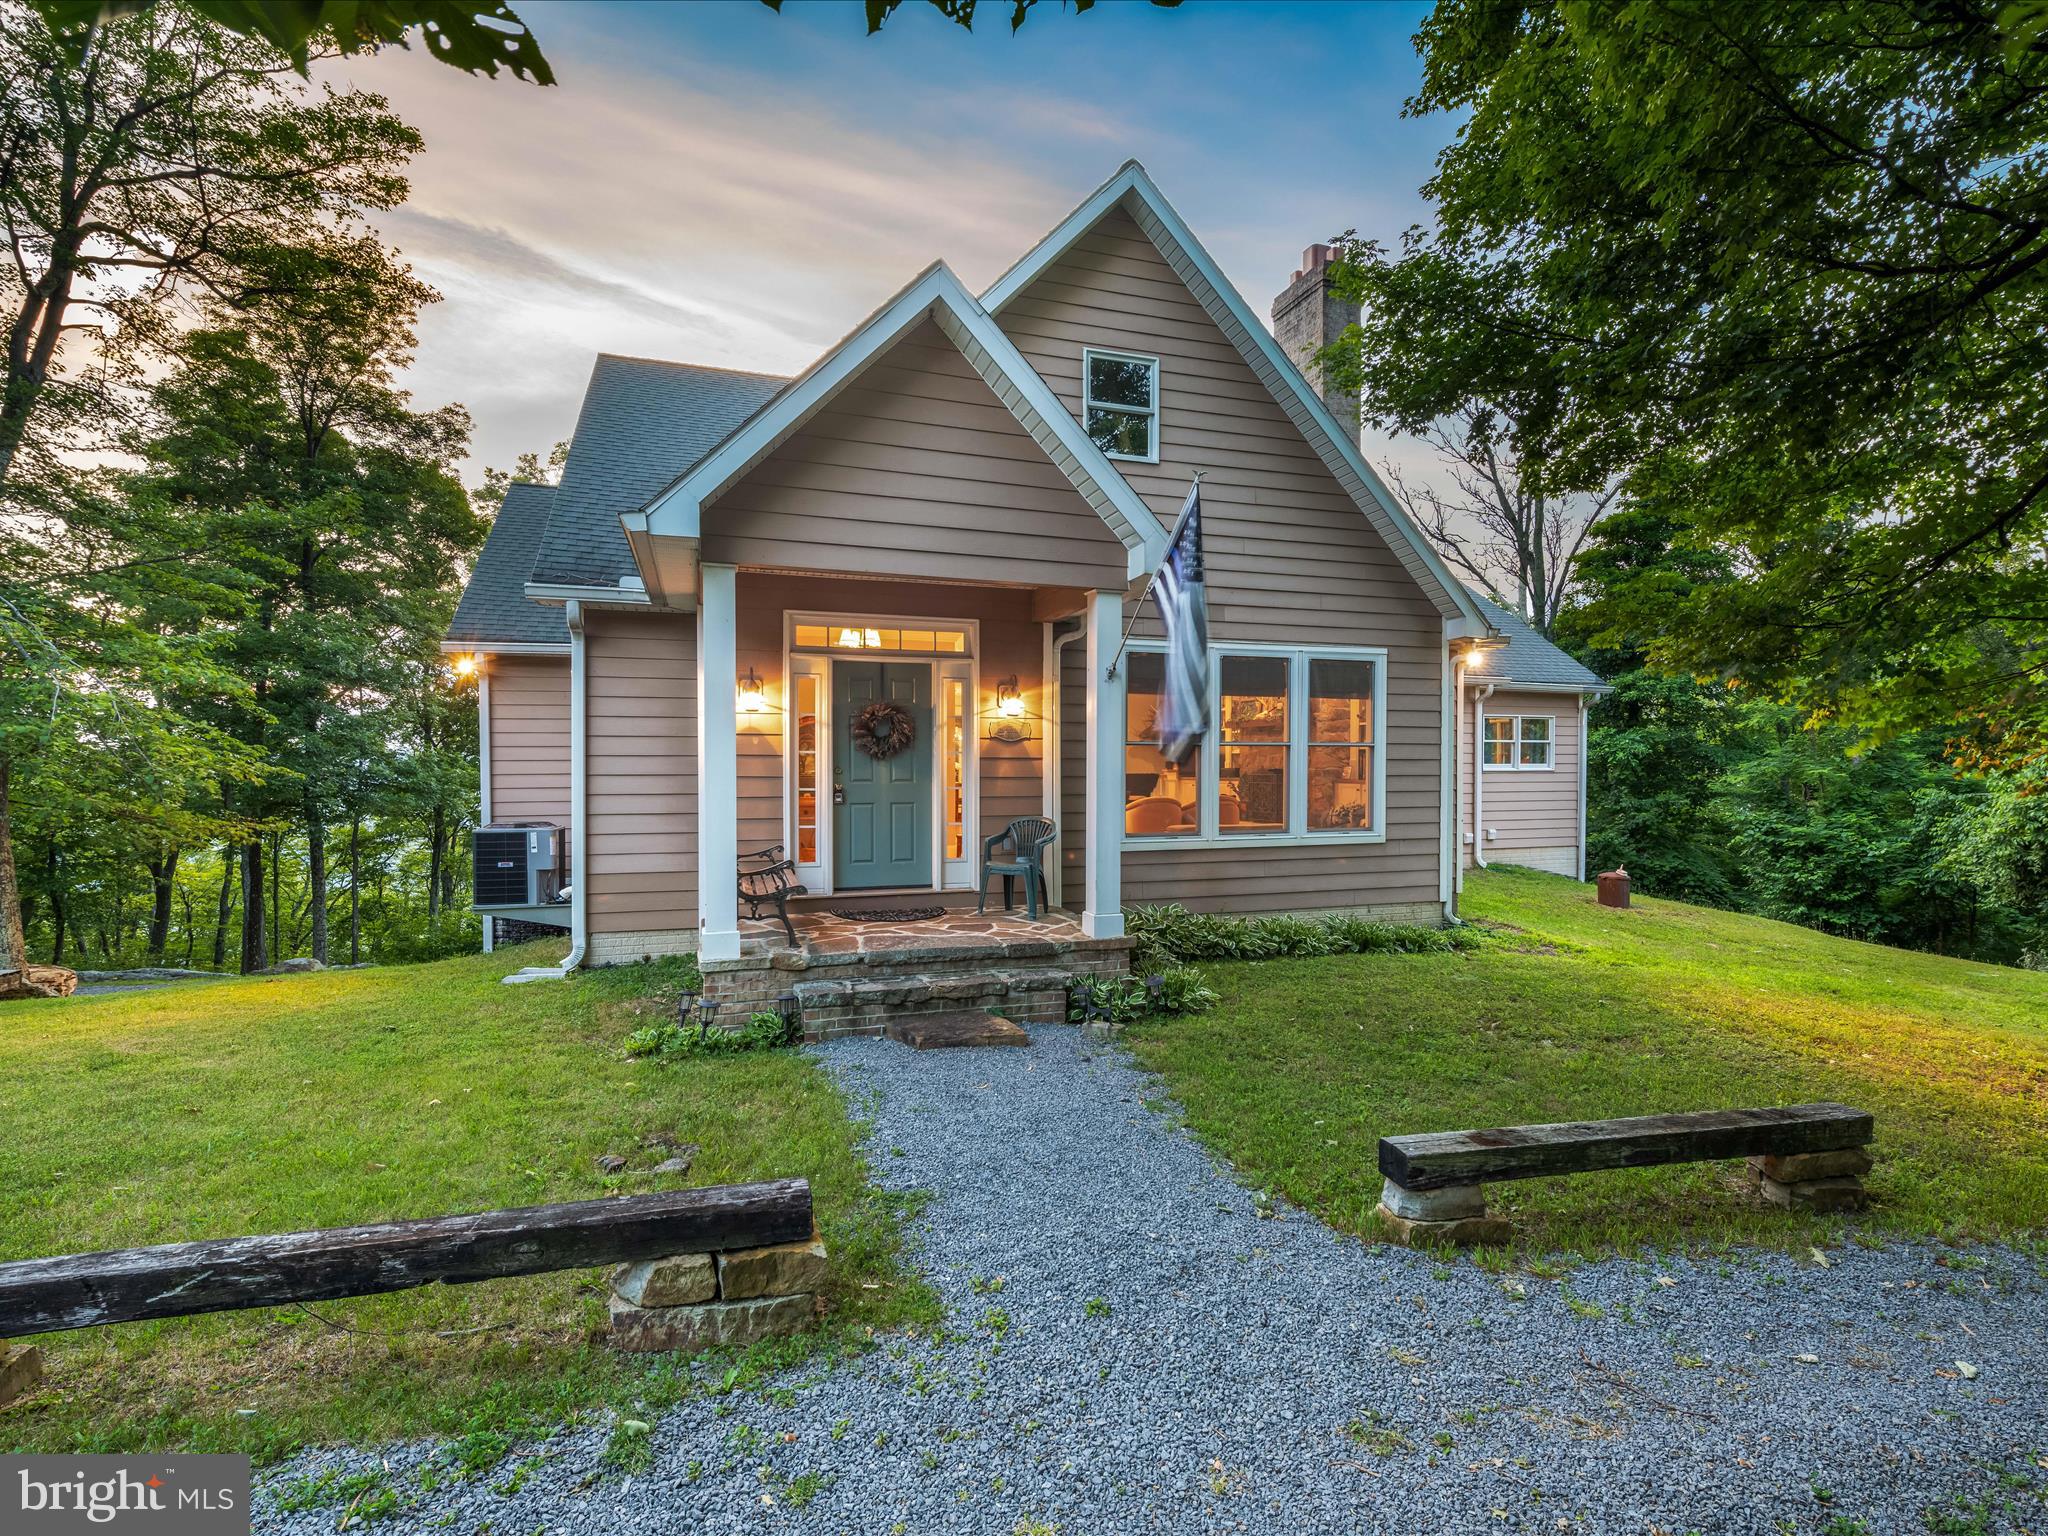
{"x":718,"y":849}
{"x":1102,"y":915}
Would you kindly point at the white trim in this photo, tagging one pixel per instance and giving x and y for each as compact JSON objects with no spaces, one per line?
{"x":1102,"y":915}
{"x":1509,"y":685}
{"x":936,"y":293}
{"x":590,"y":597}
{"x":1132,"y":188}
{"x":1298,"y":743}
{"x":1549,"y":763}
{"x":815,"y":874}
{"x":718,"y":847}
{"x":1150,"y":412}
{"x":483,"y":778}
{"x":502,"y":648}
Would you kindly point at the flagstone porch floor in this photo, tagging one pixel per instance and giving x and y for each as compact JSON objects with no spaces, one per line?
{"x":859,"y":977}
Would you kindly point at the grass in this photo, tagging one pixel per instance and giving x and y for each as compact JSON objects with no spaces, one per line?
{"x":284,"y":1103}
{"x":1575,"y":1011}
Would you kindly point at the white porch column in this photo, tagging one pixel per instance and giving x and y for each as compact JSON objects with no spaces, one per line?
{"x":718,"y":848}
{"x":1102,"y":912}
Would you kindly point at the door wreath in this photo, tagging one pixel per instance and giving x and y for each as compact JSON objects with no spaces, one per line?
{"x":883,"y":728}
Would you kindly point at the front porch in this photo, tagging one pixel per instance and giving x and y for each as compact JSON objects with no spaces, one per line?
{"x":854,"y":978}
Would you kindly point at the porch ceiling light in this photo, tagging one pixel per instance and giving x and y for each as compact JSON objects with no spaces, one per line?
{"x":753,"y":693}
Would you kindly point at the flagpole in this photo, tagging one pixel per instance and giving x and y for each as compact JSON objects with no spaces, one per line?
{"x":1178,"y":523}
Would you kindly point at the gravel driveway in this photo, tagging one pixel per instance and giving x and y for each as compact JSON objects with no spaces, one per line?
{"x":1133,"y":1349}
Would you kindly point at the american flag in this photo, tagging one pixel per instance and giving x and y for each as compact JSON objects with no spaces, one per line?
{"x":1183,"y":717}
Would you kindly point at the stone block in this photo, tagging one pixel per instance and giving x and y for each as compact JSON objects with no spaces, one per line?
{"x":1466,"y":1231}
{"x":21,"y":1369}
{"x":1815,"y":1194}
{"x":1849,"y":1163}
{"x":784,"y":1269}
{"x":642,"y":1329}
{"x":1454,"y":1204}
{"x":676,"y":1281}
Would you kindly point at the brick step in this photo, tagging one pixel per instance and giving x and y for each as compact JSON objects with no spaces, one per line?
{"x":867,"y":1006}
{"x":944,"y":1031}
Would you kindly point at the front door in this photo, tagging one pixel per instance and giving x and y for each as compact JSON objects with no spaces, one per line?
{"x":881,"y":808}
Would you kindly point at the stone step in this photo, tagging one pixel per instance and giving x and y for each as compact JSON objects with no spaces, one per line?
{"x":940,"y":1031}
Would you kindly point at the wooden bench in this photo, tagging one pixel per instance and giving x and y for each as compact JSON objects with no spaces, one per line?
{"x":767,"y":879}
{"x":1805,"y":1156}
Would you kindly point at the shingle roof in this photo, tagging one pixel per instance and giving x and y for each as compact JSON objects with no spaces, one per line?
{"x":494,"y":605}
{"x":1528,"y":657}
{"x":643,"y":423}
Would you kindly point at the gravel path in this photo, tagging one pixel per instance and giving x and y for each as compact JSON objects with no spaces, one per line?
{"x":1159,"y":1359}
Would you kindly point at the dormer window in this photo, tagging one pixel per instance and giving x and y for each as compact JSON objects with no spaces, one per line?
{"x":1120,"y":404}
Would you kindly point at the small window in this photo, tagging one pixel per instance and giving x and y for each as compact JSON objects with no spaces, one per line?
{"x":1518,"y":741}
{"x":1340,"y":766}
{"x":1120,"y":404}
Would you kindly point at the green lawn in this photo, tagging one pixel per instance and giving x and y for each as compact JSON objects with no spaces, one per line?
{"x":1574,"y":1011}
{"x":277,"y":1104}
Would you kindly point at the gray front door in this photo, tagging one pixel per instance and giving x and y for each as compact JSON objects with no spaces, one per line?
{"x":882,"y":810}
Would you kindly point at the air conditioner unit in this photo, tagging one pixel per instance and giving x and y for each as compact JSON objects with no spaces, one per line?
{"x":518,"y":864}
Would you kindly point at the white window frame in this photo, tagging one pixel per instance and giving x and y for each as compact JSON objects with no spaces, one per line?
{"x":1297,"y":834}
{"x":1515,"y":764}
{"x":1090,"y":403}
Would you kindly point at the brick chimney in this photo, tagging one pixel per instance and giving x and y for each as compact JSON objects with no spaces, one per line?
{"x":1308,"y":316}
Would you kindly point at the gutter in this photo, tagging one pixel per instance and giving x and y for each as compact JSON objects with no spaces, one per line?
{"x":579,"y":893}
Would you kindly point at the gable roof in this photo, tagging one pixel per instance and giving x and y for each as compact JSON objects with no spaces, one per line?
{"x":1528,"y":659}
{"x":643,"y":423}
{"x":494,"y":606}
{"x":938,"y":295}
{"x":1134,"y":191}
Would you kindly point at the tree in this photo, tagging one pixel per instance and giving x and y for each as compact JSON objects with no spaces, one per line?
{"x":1783,"y":267}
{"x":457,"y":32}
{"x":528,"y":469}
{"x":1500,"y":532}
{"x":346,"y":503}
{"x":149,"y":168}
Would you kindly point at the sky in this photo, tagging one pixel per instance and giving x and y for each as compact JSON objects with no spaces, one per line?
{"x":714,"y":182}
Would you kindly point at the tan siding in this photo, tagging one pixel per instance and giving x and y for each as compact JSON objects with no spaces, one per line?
{"x":1534,"y":817}
{"x":1291,"y":560}
{"x":530,"y":738}
{"x":641,"y":788}
{"x":1010,"y":775}
{"x":915,"y":470}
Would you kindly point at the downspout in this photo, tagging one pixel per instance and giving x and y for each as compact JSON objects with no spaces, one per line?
{"x":1583,"y":755}
{"x":579,"y":896}
{"x":1479,"y":698}
{"x":1448,"y":858}
{"x":1054,"y":745}
{"x":483,"y":774}
{"x":1457,"y":838}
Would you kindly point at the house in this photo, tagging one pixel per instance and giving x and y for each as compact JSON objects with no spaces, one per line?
{"x":955,"y":511}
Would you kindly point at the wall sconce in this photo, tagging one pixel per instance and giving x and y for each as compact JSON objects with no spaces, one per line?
{"x":753,"y":697}
{"x":1009,"y":723}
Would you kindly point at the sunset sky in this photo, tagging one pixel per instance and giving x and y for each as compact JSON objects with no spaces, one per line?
{"x":718,"y":183}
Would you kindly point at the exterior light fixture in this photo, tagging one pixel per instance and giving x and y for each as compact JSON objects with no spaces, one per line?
{"x":1009,"y":701}
{"x":791,"y":1013}
{"x":465,"y":666}
{"x":753,"y":693}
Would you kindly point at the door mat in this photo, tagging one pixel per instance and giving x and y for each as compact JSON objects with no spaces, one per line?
{"x":887,"y":914}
